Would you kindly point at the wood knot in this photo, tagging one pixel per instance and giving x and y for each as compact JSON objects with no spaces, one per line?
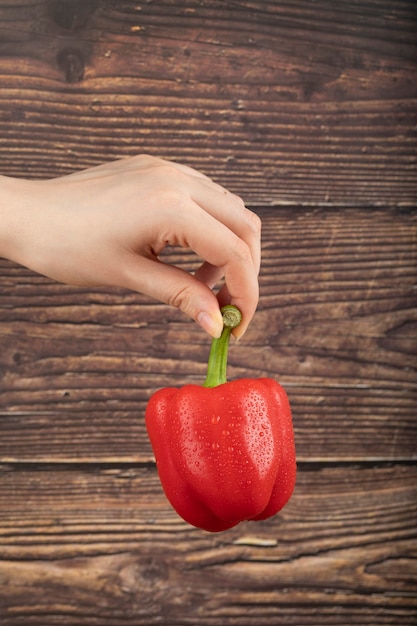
{"x":72,"y":14}
{"x":71,"y":62}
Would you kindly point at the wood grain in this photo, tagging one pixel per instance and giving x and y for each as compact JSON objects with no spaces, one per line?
{"x":281,"y":102}
{"x":308,"y":111}
{"x":336,"y":325}
{"x":102,"y":546}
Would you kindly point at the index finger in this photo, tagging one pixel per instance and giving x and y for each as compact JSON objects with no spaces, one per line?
{"x":220,"y":246}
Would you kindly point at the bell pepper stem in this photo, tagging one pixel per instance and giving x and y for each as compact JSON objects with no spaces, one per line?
{"x":217,"y":363}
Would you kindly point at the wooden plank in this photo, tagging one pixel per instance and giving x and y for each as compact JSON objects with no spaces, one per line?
{"x":102,"y":546}
{"x":336,"y":325}
{"x":308,"y":104}
{"x":281,"y":102}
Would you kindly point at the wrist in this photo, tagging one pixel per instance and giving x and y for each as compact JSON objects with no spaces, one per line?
{"x":18,"y":222}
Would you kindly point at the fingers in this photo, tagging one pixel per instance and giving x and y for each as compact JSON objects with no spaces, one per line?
{"x":231,"y":211}
{"x":169,"y":203}
{"x":175,"y":287}
{"x":223,"y":205}
{"x":209,"y":274}
{"x":235,"y":251}
{"x":225,"y":252}
{"x":218,"y":227}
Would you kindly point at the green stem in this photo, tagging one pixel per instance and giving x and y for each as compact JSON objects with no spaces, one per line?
{"x":217,"y":363}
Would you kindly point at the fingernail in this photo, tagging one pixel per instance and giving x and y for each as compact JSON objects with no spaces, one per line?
{"x":212,"y":325}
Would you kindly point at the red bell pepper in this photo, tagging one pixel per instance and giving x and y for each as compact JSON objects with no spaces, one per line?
{"x":224,"y":451}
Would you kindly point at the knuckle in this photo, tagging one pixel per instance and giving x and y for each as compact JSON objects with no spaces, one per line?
{"x":163,"y":169}
{"x":237,"y":199}
{"x":172,"y":199}
{"x":241,"y":250}
{"x":181,"y":297}
{"x":144,"y":160}
{"x":254,"y":222}
{"x":251,"y":219}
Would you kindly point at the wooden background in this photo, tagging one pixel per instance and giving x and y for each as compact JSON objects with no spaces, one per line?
{"x":308,"y":110}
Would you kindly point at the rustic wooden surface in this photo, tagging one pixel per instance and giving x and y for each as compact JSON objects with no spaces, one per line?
{"x":308,"y":110}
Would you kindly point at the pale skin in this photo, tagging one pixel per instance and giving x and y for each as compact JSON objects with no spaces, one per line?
{"x":106,"y":226}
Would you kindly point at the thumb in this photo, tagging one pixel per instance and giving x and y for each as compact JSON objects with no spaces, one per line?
{"x":175,"y":287}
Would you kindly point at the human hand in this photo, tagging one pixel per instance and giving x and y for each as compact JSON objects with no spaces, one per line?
{"x":106,"y":226}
